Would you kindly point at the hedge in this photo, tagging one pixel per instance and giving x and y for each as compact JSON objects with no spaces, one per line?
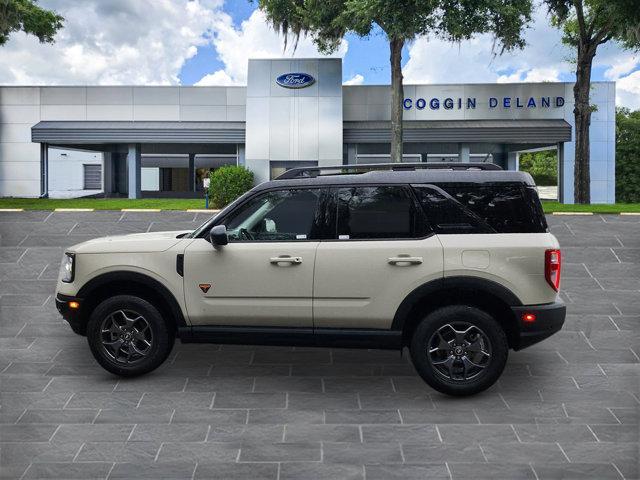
{"x":227,"y":184}
{"x":627,"y":156}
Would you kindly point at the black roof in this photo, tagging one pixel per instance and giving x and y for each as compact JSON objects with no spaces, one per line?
{"x":405,"y":177}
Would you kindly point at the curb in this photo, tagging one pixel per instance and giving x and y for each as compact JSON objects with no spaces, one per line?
{"x":11,"y":209}
{"x":572,"y":213}
{"x":140,"y":210}
{"x":74,"y":209}
{"x":630,"y":213}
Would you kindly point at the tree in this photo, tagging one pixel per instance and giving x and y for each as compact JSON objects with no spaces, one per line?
{"x":627,"y":155}
{"x":328,"y":21}
{"x":587,"y":24}
{"x":543,"y":166}
{"x":28,"y":17}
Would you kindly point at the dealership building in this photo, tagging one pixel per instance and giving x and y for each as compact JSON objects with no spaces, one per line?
{"x":147,"y":141}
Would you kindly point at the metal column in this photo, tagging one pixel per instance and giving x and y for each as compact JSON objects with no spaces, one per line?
{"x":44,"y":170}
{"x":192,"y":172}
{"x":134,"y":165}
{"x":464,"y":152}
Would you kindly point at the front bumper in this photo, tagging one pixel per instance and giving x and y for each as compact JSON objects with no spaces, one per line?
{"x":74,"y":317}
{"x":549,"y":319}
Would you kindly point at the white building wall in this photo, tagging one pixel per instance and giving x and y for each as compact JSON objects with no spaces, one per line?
{"x":66,"y":172}
{"x":286,"y":124}
{"x":23,"y":107}
{"x":374,"y":103}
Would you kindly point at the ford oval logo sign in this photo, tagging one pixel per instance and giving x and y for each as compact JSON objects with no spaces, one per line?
{"x":295,"y":80}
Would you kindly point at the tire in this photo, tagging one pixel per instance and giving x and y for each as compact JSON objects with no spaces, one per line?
{"x":140,"y":345}
{"x":439,"y":349}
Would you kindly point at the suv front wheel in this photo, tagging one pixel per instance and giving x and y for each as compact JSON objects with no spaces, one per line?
{"x":128,"y":336}
{"x":459,"y":350}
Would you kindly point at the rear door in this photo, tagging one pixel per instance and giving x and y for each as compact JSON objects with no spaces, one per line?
{"x":381,"y":250}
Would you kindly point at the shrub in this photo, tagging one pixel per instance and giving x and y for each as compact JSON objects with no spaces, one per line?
{"x":227,"y":184}
{"x":542,"y":166}
{"x":627,"y":156}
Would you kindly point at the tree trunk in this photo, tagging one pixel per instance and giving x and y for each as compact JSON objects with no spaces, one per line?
{"x":397,"y":98}
{"x":582,"y":115}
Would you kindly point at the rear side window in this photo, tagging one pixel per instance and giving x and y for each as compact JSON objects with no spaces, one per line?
{"x":482,"y":208}
{"x":385,"y":212}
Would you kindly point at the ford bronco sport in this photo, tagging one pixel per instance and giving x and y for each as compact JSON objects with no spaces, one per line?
{"x":453,"y":261}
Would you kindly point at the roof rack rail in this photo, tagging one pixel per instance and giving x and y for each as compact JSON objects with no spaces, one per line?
{"x":368,"y":167}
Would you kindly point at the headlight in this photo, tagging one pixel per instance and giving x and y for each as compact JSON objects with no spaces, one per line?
{"x":67,"y":269}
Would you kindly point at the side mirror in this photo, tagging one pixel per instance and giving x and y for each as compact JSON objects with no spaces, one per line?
{"x":218,"y":236}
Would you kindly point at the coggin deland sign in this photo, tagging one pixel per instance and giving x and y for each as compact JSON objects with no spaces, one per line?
{"x":302,"y":80}
{"x":469,"y":103}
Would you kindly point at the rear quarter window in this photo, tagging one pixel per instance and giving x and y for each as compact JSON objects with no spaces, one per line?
{"x":482,"y":208}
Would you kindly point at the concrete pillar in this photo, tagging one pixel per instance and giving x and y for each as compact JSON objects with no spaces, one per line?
{"x":464,"y":153}
{"x":241,"y":155}
{"x":192,"y":172}
{"x":134,"y":165}
{"x":513,"y":161}
{"x":352,"y":153}
{"x":107,"y":172}
{"x":44,"y":170}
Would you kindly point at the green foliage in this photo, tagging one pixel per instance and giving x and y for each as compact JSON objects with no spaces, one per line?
{"x":627,"y":155}
{"x":327,"y":21}
{"x":28,"y":17}
{"x":543,"y":166}
{"x":593,"y":22}
{"x":228,"y":183}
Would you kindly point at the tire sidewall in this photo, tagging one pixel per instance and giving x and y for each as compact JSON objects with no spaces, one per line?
{"x":162,"y":338}
{"x":436,"y":319}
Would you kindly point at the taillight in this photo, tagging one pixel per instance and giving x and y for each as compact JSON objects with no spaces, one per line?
{"x":552,"y":267}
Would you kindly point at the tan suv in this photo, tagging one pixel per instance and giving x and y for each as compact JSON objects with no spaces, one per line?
{"x":453,"y":261}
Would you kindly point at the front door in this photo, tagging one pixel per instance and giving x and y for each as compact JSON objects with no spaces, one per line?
{"x":264,"y":276}
{"x":382,"y":250}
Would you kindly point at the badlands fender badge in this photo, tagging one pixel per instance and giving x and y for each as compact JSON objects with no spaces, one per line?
{"x":204,"y":287}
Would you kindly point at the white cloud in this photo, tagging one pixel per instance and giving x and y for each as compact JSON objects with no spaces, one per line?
{"x":545,"y":58}
{"x":531,"y":75}
{"x":622,"y":65}
{"x":253,"y":39}
{"x":115,"y":42}
{"x":357,"y":79}
{"x":436,"y":61}
{"x":628,"y":91}
{"x":219,"y":77}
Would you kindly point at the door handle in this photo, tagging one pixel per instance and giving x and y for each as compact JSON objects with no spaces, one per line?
{"x":403,"y":260}
{"x":286,"y":259}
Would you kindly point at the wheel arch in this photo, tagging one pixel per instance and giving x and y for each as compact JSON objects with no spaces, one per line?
{"x":130,"y":283}
{"x":479,"y":292}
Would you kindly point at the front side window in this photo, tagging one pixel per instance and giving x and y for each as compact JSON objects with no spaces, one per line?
{"x":385,"y":212}
{"x":282,"y":215}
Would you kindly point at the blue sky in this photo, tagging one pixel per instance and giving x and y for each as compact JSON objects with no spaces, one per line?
{"x":368,"y":56}
{"x":208,"y":42}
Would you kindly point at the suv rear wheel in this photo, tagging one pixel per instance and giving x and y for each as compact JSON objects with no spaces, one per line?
{"x":459,"y":350}
{"x":128,"y":336}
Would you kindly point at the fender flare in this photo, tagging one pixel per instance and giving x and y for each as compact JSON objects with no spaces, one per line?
{"x":134,"y":277}
{"x":446,"y":283}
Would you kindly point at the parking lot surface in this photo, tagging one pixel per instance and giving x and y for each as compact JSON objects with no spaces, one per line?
{"x":566,"y":408}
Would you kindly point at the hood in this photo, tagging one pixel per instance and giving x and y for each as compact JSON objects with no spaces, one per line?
{"x":132,"y":243}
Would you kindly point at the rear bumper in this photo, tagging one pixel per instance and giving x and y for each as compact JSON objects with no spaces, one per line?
{"x":549,"y":319}
{"x":74,"y":317}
